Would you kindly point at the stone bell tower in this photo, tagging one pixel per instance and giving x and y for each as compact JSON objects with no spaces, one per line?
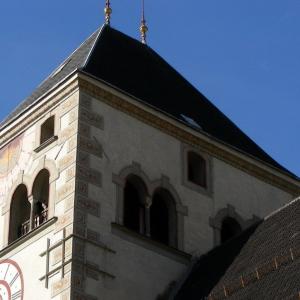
{"x":116,"y":172}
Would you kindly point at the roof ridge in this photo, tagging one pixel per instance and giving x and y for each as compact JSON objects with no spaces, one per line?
{"x":71,"y":64}
{"x":66,"y":60}
{"x":94,"y":44}
{"x":281,"y":208}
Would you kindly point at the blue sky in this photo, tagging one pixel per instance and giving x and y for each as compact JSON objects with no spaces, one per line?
{"x":243,"y":55}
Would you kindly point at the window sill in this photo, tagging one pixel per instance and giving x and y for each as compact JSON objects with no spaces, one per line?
{"x":46,"y":143}
{"x":149,"y":244}
{"x":207,"y":191}
{"x":27,"y":236}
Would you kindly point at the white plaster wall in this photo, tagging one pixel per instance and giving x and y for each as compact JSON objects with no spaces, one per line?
{"x":33,"y":267}
{"x":126,"y":139}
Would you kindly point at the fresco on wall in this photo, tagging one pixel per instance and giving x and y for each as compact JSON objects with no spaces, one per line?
{"x":14,"y":158}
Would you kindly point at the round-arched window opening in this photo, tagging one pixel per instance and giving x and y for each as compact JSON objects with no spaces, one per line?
{"x":40,"y":194}
{"x":19,"y":214}
{"x":134,"y":199}
{"x":230,"y":229}
{"x":163,"y":219}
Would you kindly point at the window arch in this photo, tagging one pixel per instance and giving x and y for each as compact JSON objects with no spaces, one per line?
{"x":135,"y":193}
{"x":196,"y":169}
{"x":230,"y":228}
{"x":20,"y":207}
{"x":47,"y":130}
{"x":163,"y":220}
{"x":40,"y":193}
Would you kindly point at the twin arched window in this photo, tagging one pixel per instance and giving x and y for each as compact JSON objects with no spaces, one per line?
{"x":154,"y":217}
{"x":26,"y":215}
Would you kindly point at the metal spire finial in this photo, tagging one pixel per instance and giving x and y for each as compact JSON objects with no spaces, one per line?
{"x":107,"y":12}
{"x":143,"y":27}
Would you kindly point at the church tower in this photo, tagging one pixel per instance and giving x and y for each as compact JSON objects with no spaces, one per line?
{"x":116,"y":172}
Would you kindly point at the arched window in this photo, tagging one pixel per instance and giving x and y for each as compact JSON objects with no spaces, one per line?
{"x":230,"y":228}
{"x":47,"y":130}
{"x":196,"y":169}
{"x":163,"y":220}
{"x":134,"y":204}
{"x":40,"y":195}
{"x":20,"y":208}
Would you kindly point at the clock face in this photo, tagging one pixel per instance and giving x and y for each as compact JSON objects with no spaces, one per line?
{"x":11,"y":281}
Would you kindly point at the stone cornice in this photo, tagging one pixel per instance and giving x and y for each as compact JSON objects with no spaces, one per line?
{"x":187,"y":137}
{"x":84,"y":83}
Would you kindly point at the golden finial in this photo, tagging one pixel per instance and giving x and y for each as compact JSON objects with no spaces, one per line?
{"x":143,"y":27}
{"x":107,"y":12}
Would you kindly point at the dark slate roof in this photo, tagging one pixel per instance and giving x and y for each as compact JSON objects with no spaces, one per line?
{"x":208,"y":270}
{"x":75,"y":61}
{"x":135,"y":69}
{"x":267,"y":267}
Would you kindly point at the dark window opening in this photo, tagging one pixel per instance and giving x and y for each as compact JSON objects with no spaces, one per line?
{"x":47,"y":130}
{"x":163,"y":220}
{"x":197,"y":169}
{"x":19,"y":224}
{"x":230,"y":229}
{"x":40,"y":194}
{"x":134,"y":199}
{"x":159,"y":220}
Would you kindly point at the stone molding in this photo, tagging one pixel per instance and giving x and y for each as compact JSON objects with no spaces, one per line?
{"x":151,"y":188}
{"x":229,"y":211}
{"x":149,"y":244}
{"x":21,"y":126}
{"x":151,"y":119}
{"x":189,"y":138}
{"x":207,"y":191}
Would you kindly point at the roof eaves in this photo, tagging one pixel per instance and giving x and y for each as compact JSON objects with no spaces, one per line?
{"x":199,"y":130}
{"x":10,"y":121}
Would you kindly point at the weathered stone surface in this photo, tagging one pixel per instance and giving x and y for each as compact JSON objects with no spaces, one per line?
{"x":66,"y":189}
{"x":58,"y":252}
{"x":90,"y":175}
{"x":79,"y":249}
{"x":77,"y":281}
{"x":79,"y":296}
{"x":91,"y":118}
{"x":92,"y":270}
{"x":68,"y":132}
{"x":86,"y":101}
{"x":84,"y":130}
{"x":60,"y":286}
{"x":90,"y":146}
{"x":64,"y":220}
{"x":92,"y":235}
{"x":82,"y":188}
{"x":67,"y":160}
{"x":72,"y":143}
{"x":70,"y":173}
{"x":80,"y":217}
{"x":69,"y":203}
{"x":73,"y":115}
{"x":69,"y":104}
{"x":89,"y":206}
{"x":83,"y":159}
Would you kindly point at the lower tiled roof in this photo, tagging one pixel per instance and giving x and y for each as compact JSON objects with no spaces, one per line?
{"x":267,"y":267}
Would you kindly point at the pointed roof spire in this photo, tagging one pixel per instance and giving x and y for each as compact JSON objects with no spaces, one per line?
{"x":107,"y":12}
{"x":143,"y":27}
